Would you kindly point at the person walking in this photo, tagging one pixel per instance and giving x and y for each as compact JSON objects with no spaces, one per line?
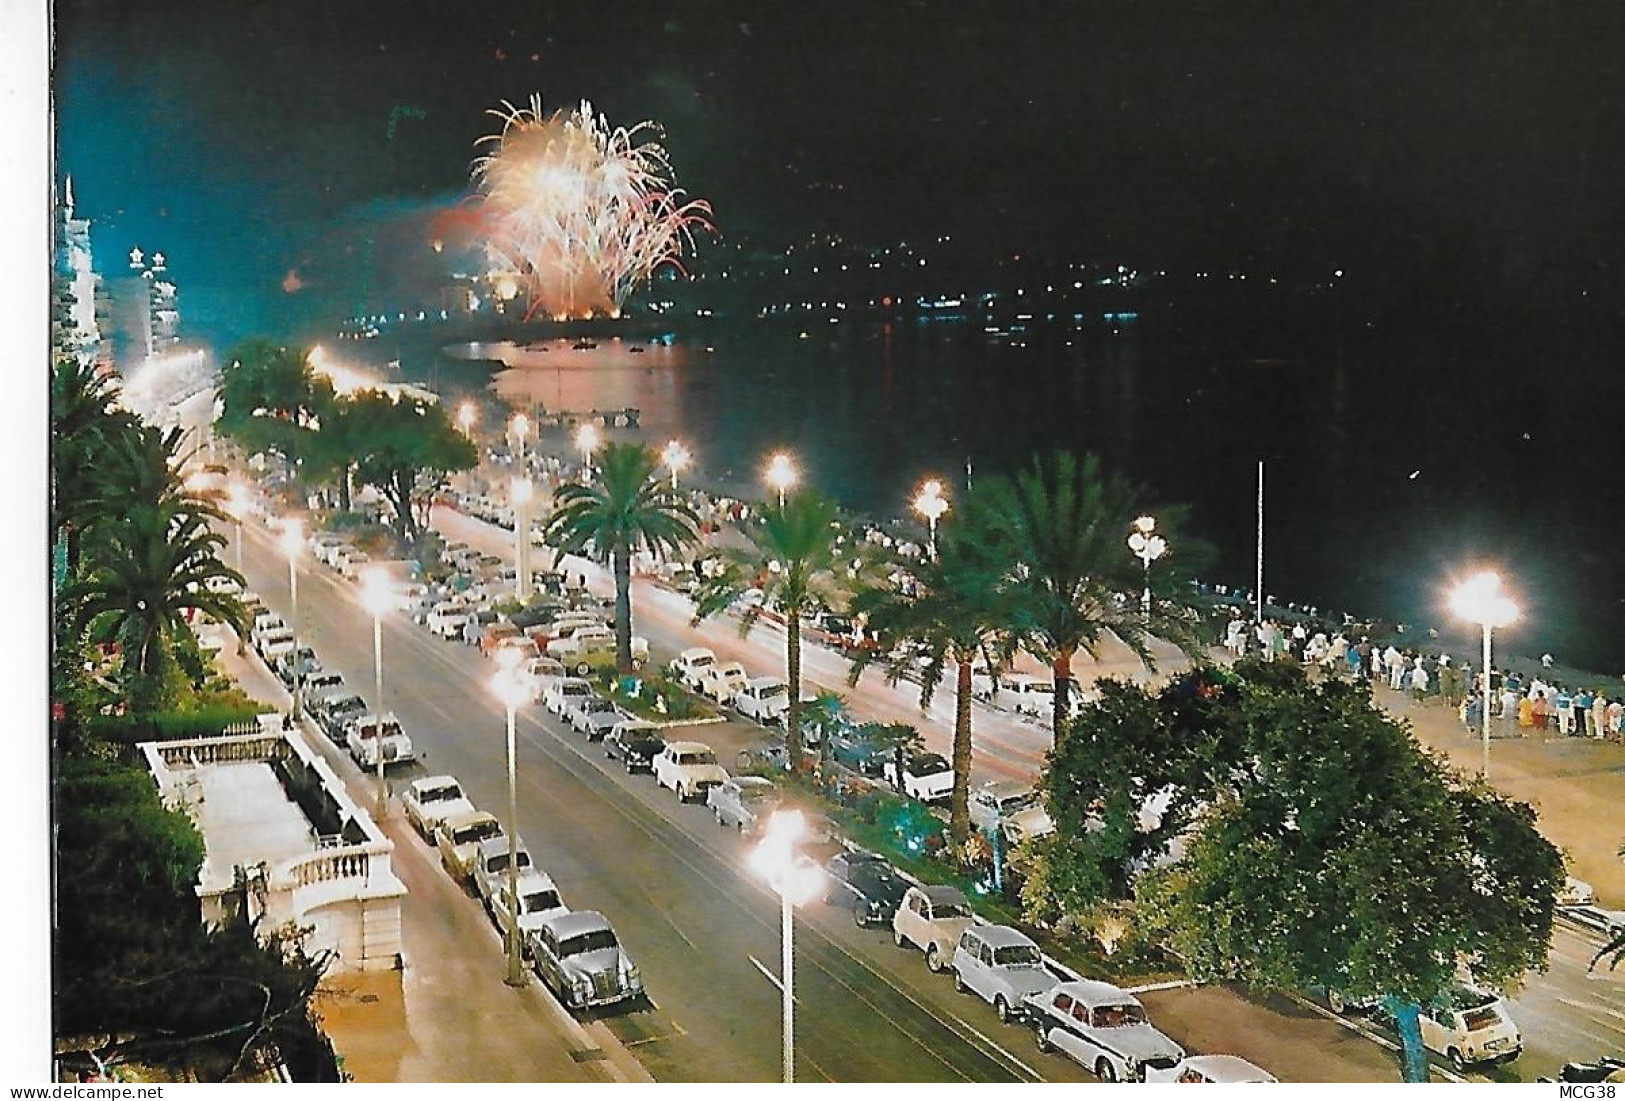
{"x":1563,"y":704}
{"x":1599,"y":716}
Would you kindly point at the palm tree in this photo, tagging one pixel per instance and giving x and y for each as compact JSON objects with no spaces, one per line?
{"x":144,"y":575}
{"x":629,"y":507}
{"x":793,"y":560}
{"x":1062,"y":526}
{"x":86,"y":425}
{"x":961,"y":610}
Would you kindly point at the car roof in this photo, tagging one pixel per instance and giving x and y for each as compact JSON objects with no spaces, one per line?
{"x":577,"y":922}
{"x":424,"y":783}
{"x":766,"y":682}
{"x":1095,"y":992}
{"x":688,"y":747}
{"x":754,"y":782}
{"x":531,"y":878}
{"x":697,"y":651}
{"x":493,"y":846}
{"x":936,"y":893}
{"x":467,"y":818}
{"x":1004,"y":789}
{"x":1002,"y":936}
{"x":1228,"y":1068}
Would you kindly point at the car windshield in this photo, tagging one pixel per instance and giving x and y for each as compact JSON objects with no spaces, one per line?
{"x":704,"y":758}
{"x":593,"y":941}
{"x":951,"y":910}
{"x":759,"y":793}
{"x":1118,"y":1016}
{"x":1016,"y":803}
{"x":542,"y":900}
{"x":479,"y":831}
{"x":1017,"y":955}
{"x":930,"y":763}
{"x":499,"y":861}
{"x":443,"y":793}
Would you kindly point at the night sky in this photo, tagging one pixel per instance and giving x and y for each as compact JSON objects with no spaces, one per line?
{"x":1475,"y":143}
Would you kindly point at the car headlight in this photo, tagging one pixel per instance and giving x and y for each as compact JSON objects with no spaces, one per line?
{"x":632,"y":977}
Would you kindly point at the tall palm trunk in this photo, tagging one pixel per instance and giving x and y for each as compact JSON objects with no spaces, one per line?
{"x":621,"y":562}
{"x":959,"y":801}
{"x":1061,"y":673}
{"x":792,"y":661}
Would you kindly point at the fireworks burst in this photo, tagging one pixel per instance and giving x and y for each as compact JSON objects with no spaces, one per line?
{"x":576,"y":213}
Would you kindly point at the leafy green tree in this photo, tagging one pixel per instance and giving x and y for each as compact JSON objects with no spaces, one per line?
{"x":961,"y":609}
{"x":271,"y":401}
{"x":1323,"y":847}
{"x":86,"y":427}
{"x":795,"y":560}
{"x":1062,"y":526}
{"x":410,"y":446}
{"x":627,"y":508}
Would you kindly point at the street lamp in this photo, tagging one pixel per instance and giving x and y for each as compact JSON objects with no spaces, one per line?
{"x":467,"y":414}
{"x":1480,"y":600}
{"x":520,"y":426}
{"x":237,"y":505}
{"x":677,"y":458}
{"x":796,"y":880}
{"x":1147,"y":547}
{"x":520,"y":495}
{"x":931,"y":504}
{"x":293,"y":540}
{"x":781,"y":474}
{"x":512,"y":692}
{"x":378,"y":597}
{"x":586,"y":442}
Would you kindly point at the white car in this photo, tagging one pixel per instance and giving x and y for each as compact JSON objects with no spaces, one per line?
{"x":1011,"y":808}
{"x":275,"y":643}
{"x":722,"y":680}
{"x":688,"y":768}
{"x":1221,"y":1069}
{"x":430,"y":800}
{"x":1469,"y":1026}
{"x":353,"y":563}
{"x":491,"y":867}
{"x":538,"y":901}
{"x":541,"y":673}
{"x":765,"y":699}
{"x":932,"y":919}
{"x":1575,"y":892}
{"x":691,"y":664}
{"x":369,"y":736}
{"x":1027,"y":694}
{"x":565,"y":693}
{"x":926,"y":776}
{"x":594,"y":645}
{"x":458,"y":840}
{"x":743,"y":802}
{"x":1002,"y":966}
{"x":1103,"y":1028}
{"x":447,"y":619}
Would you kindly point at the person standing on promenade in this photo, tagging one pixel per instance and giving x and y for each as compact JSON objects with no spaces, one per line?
{"x":1394,"y":662}
{"x":1582,"y":712}
{"x":1599,"y":716}
{"x":1526,"y":714}
{"x":1564,"y":705}
{"x":1511,"y":704}
{"x":1616,"y":712}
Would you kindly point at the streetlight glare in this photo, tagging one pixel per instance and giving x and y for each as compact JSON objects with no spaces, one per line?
{"x":587,"y":438}
{"x":521,"y":490}
{"x":509,"y":689}
{"x":377,"y":592}
{"x":520,"y":425}
{"x":676,"y":456}
{"x":1480,"y":600}
{"x":293,"y":535}
{"x":781,"y":474}
{"x":466,"y":415}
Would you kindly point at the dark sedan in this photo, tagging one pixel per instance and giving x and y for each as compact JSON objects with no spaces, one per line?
{"x":634,"y":743}
{"x":866,"y":884}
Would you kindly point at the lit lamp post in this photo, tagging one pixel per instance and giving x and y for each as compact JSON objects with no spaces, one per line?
{"x":586,"y":443}
{"x":378,"y":597}
{"x":1480,"y":600}
{"x":781,"y":474}
{"x":520,"y":426}
{"x":467,"y":414}
{"x":1147,"y":547}
{"x":520,"y":494}
{"x":796,"y":880}
{"x":293,"y":540}
{"x":512,"y":692}
{"x":676,"y":458}
{"x":931,"y":504}
{"x":237,"y":505}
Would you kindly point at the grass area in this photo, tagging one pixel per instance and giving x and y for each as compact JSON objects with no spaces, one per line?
{"x":653,"y":696}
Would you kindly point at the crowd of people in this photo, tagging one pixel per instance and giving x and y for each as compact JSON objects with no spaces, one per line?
{"x":1525,"y":704}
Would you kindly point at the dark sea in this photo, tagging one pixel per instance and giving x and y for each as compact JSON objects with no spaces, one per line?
{"x":1398,"y":458}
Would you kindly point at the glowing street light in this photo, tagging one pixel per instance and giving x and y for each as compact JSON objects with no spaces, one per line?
{"x":1480,"y":600}
{"x":931,"y":504}
{"x":781,"y":474}
{"x":237,"y":505}
{"x":467,"y":414}
{"x":293,"y":541}
{"x":378,"y":597}
{"x":587,"y":442}
{"x":1147,"y":547}
{"x":676,"y":458}
{"x":520,"y":427}
{"x":512,"y":692}
{"x":520,"y":494}
{"x":797,"y":880}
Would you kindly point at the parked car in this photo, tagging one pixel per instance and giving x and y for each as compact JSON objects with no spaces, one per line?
{"x":493,"y":635}
{"x":1011,"y":808}
{"x":1103,"y":1028}
{"x":353,"y":562}
{"x":430,"y":800}
{"x":300,"y":664}
{"x":334,"y":711}
{"x":635,"y":743}
{"x":588,"y":647}
{"x":273,"y":644}
{"x":1606,"y":1068}
{"x":1575,"y":892}
{"x":579,"y":958}
{"x":1221,"y":1069}
{"x":691,"y":664}
{"x":722,"y":680}
{"x":322,"y":682}
{"x":865,"y":883}
{"x":1001,"y":965}
{"x":458,"y":839}
{"x":743,"y":802}
{"x":688,"y":768}
{"x":932,"y":918}
{"x":926,"y":776}
{"x":538,"y":901}
{"x":1469,"y":1026}
{"x":1027,"y":693}
{"x":859,"y":749}
{"x":765,"y":699}
{"x":491,"y":867}
{"x":369,"y":735}
{"x":448,"y":619}
{"x":566,"y":692}
{"x":597,"y":718}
